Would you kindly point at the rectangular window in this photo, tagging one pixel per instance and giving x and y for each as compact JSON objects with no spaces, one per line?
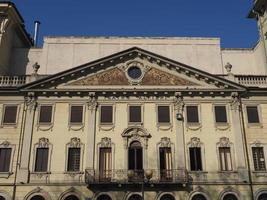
{"x":135,"y":114}
{"x":220,"y":114}
{"x":41,"y":160}
{"x":195,"y":159}
{"x":45,"y":116}
{"x":165,"y":163}
{"x":163,"y":114}
{"x":10,"y":114}
{"x":225,"y":158}
{"x":192,"y":114}
{"x":74,"y":159}
{"x":105,"y":163}
{"x":258,"y":158}
{"x":106,"y":115}
{"x":253,"y":115}
{"x":5,"y":158}
{"x":76,"y":114}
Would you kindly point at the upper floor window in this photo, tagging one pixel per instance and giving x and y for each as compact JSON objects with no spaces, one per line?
{"x":76,"y":114}
{"x":258,"y":158}
{"x":192,"y":114}
{"x":195,"y":158}
{"x":74,"y":157}
{"x":10,"y":114}
{"x":41,"y":161}
{"x":105,"y":163}
{"x":220,"y":114}
{"x":135,"y":114}
{"x":225,"y":158}
{"x":45,"y":115}
{"x":253,"y":114}
{"x":163,"y":114}
{"x":5,"y":158}
{"x":106,"y":114}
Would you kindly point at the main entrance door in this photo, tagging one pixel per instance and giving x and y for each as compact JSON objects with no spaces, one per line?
{"x":135,"y":160}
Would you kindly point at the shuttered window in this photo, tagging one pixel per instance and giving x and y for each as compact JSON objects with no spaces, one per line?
{"x":74,"y":159}
{"x":225,"y":158}
{"x":220,"y":114}
{"x":45,"y":116}
{"x":106,"y":115}
{"x":195,"y":158}
{"x":252,"y":114}
{"x":163,"y":114}
{"x":5,"y":157}
{"x":105,"y":163}
{"x":10,"y":114}
{"x":135,"y":114}
{"x":192,"y":114}
{"x":41,"y":160}
{"x":76,"y":115}
{"x":165,"y":158}
{"x":258,"y":159}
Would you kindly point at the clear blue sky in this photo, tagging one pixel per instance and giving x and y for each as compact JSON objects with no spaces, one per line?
{"x":186,"y":18}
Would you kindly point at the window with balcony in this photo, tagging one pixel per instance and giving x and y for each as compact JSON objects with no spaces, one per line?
{"x":45,"y":115}
{"x":135,"y":114}
{"x":5,"y":158}
{"x":41,"y":160}
{"x":220,"y":114}
{"x":106,"y":114}
{"x":225,"y":159}
{"x":163,"y":114}
{"x":165,"y":158}
{"x":195,"y":158}
{"x":105,"y":164}
{"x":135,"y":160}
{"x":76,"y":114}
{"x":74,"y":159}
{"x":253,"y":114}
{"x":192,"y":114}
{"x":10,"y":115}
{"x":258,"y":159}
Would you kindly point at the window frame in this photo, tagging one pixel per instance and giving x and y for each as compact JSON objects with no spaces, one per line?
{"x":221,"y":124}
{"x":76,"y":125}
{"x":170,"y":115}
{"x":224,"y":158}
{"x":264,"y":154}
{"x":3,"y":115}
{"x":113,"y":115}
{"x":6,"y":144}
{"x":193,"y":125}
{"x":46,"y":124}
{"x":142,"y":114}
{"x":254,"y":124}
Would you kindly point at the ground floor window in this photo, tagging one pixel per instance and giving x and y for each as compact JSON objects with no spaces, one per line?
{"x":71,"y":197}
{"x":167,"y":197}
{"x":263,"y":196}
{"x":135,"y":197}
{"x":199,"y":197}
{"x":2,"y":198}
{"x":104,"y":197}
{"x":230,"y":197}
{"x":37,"y":197}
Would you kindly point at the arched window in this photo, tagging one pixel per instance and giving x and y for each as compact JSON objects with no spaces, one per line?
{"x":199,"y":197}
{"x":71,"y":197}
{"x":135,"y":160}
{"x":230,"y":197}
{"x":37,"y":197}
{"x":135,"y":197}
{"x":263,"y":196}
{"x":167,"y":197}
{"x":104,"y":197}
{"x":2,"y":198}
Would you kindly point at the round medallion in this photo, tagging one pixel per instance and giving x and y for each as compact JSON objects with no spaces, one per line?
{"x":134,"y":72}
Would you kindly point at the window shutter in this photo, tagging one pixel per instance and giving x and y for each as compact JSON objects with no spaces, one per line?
{"x":76,"y":115}
{"x":45,"y":114}
{"x":253,"y":115}
{"x":192,"y":114}
{"x":163,"y":114}
{"x":135,"y":114}
{"x":5,"y":157}
{"x":225,"y":158}
{"x":106,"y":114}
{"x":10,"y":115}
{"x":220,"y":114}
{"x":74,"y":159}
{"x":41,"y":160}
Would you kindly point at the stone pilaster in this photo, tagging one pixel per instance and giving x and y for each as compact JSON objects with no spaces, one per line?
{"x":23,"y":172}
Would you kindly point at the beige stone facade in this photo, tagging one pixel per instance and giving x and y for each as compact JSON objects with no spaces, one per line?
{"x":131,"y":118}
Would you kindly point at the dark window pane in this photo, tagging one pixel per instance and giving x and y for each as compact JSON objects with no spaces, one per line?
{"x":167,"y":197}
{"x":2,"y":198}
{"x":5,"y":157}
{"x":163,"y":114}
{"x":71,"y":197}
{"x":195,"y":158}
{"x":199,"y":197}
{"x":104,"y":197}
{"x":135,"y":114}
{"x":105,"y":163}
{"x":192,"y":114}
{"x":10,"y":115}
{"x":41,"y":160}
{"x":230,"y":197}
{"x":76,"y":115}
{"x":106,"y":114}
{"x":135,"y":197}
{"x":253,"y":116}
{"x":74,"y":159}
{"x":263,"y":196}
{"x":258,"y":158}
{"x":220,"y":114}
{"x":37,"y":197}
{"x":45,"y":114}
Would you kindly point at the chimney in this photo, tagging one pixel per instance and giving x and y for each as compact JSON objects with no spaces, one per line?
{"x":36,"y":32}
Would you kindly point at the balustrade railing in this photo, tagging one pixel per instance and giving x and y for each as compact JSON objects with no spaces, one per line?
{"x":12,"y":81}
{"x":254,"y":81}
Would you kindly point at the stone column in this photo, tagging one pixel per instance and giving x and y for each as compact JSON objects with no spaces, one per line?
{"x":23,"y":172}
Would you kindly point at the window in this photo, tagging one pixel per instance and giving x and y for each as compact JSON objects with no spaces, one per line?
{"x":76,"y":114}
{"x":192,"y":114}
{"x":74,"y":159}
{"x":2,"y":198}
{"x":165,"y":158}
{"x":252,"y":114}
{"x":104,"y":197}
{"x":230,"y":197}
{"x":135,"y":114}
{"x":199,"y":197}
{"x":45,"y":115}
{"x":167,"y":197}
{"x":105,"y":165}
{"x":71,"y":197}
{"x":258,"y":159}
{"x":41,"y":160}
{"x":263,"y":196}
{"x":10,"y":114}
{"x":195,"y":158}
{"x":5,"y":157}
{"x":135,"y":197}
{"x":163,"y":114}
{"x":106,"y":115}
{"x":37,"y":197}
{"x":220,"y":114}
{"x":225,"y":158}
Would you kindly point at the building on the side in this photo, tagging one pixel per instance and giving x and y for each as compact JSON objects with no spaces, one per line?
{"x":127,"y":118}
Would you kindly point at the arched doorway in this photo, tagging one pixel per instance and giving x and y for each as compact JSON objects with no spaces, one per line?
{"x":71,"y":197}
{"x":199,"y":197}
{"x":167,"y":197}
{"x":104,"y":197}
{"x":2,"y":198}
{"x":135,"y":197}
{"x":135,"y":160}
{"x":37,"y":197}
{"x":230,"y":197}
{"x":263,"y":196}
